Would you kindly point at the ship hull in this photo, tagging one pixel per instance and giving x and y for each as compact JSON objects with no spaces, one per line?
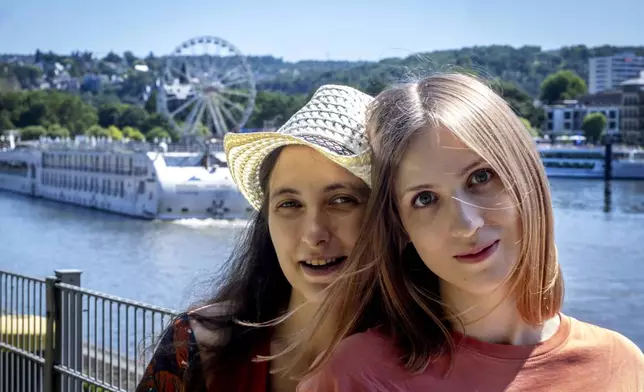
{"x":141,"y":185}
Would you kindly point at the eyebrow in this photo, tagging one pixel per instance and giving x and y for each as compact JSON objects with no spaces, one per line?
{"x":463,"y":172}
{"x":329,"y":188}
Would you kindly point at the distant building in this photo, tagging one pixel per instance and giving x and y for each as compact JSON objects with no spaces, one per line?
{"x":91,"y":82}
{"x":607,"y":73}
{"x":633,"y":107}
{"x":566,"y":117}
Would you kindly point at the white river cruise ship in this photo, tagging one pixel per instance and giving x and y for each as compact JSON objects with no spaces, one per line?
{"x":136,"y":179}
{"x":588,"y":162}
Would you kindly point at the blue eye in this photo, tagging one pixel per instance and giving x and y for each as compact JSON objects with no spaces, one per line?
{"x":481,"y":176}
{"x":423,"y":199}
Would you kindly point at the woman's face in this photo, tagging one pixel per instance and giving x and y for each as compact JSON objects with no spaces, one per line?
{"x":457,"y":213}
{"x":315,"y":210}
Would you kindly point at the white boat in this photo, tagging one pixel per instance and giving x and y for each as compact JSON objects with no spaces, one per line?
{"x":135,"y":179}
{"x":588,"y":162}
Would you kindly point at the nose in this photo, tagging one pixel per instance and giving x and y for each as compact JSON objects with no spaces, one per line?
{"x":316,"y":230}
{"x":468,"y":218}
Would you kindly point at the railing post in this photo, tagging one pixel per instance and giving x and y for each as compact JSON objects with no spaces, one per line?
{"x":72,"y":339}
{"x":53,"y":354}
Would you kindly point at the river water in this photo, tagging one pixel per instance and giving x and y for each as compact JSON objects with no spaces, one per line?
{"x":169,"y":263}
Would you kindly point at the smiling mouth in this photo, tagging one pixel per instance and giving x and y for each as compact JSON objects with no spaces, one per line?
{"x":322,"y":264}
{"x":479,"y":254}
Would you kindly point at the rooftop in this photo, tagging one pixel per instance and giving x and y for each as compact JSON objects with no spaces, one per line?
{"x":635,"y":82}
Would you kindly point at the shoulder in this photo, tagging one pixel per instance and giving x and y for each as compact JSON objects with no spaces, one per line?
{"x":362,"y":361}
{"x":174,"y":352}
{"x":372,"y":344}
{"x":205,"y":322}
{"x":181,"y":345}
{"x":608,"y":343}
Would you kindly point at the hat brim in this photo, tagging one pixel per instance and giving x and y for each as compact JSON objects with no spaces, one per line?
{"x":245,"y":153}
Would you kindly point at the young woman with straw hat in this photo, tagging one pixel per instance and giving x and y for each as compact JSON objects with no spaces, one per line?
{"x":308,"y":182}
{"x":461,"y":253}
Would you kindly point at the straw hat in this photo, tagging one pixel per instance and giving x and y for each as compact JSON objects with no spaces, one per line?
{"x":332,"y":122}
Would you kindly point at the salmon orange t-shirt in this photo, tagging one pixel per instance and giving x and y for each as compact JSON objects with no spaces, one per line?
{"x":579,"y":357}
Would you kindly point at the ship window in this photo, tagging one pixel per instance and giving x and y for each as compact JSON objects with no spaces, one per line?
{"x":169,"y":209}
{"x":184,"y":209}
{"x":122,"y":190}
{"x":141,"y":188}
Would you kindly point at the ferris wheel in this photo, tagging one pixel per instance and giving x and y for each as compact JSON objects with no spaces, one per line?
{"x":206,"y":88}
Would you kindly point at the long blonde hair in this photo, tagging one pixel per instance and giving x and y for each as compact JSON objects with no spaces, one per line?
{"x":385,"y":272}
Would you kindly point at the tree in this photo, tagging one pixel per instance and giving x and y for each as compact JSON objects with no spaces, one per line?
{"x":110,"y":114}
{"x":533,"y":132}
{"x":5,"y":121}
{"x":133,"y":116}
{"x":57,"y":131}
{"x":275,"y":107}
{"x":33,"y":132}
{"x":74,"y":114}
{"x":114,"y":132}
{"x":520,"y":102}
{"x":562,"y":85}
{"x":133,"y":134}
{"x":157,"y":133}
{"x":594,"y":125}
{"x":98,"y":131}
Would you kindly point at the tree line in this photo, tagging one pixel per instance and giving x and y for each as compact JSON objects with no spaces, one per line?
{"x":525,"y":66}
{"x":60,"y":114}
{"x":283,"y":87}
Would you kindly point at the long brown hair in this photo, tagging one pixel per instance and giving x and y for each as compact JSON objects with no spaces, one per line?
{"x":252,"y":289}
{"x":385,"y":268}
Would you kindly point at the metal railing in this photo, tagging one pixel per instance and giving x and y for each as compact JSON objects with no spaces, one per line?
{"x":56,"y":336}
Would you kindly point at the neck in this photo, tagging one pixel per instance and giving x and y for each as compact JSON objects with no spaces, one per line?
{"x":304,"y":312}
{"x":493,"y":317}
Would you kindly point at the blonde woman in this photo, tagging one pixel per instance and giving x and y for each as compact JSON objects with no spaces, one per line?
{"x":461,"y":253}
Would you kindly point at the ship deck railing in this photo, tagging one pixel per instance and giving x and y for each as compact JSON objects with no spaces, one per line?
{"x":57,"y":336}
{"x":120,"y":146}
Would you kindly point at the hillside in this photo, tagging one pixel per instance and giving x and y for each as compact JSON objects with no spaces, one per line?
{"x":81,"y":94}
{"x":525,"y":66}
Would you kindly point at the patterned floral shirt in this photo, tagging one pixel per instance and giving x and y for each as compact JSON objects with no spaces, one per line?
{"x":178,"y":350}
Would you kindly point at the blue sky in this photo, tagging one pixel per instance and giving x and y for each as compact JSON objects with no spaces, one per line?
{"x":330,"y":29}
